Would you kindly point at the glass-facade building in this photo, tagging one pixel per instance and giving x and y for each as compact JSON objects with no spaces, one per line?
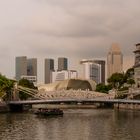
{"x":25,"y":67}
{"x":49,"y":68}
{"x":62,"y":64}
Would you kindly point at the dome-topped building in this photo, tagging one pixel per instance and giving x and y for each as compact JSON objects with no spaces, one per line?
{"x":74,"y":84}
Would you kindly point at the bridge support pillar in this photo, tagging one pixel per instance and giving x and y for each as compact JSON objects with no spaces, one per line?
{"x":117,"y":105}
{"x":15,"y":93}
{"x":16,"y":108}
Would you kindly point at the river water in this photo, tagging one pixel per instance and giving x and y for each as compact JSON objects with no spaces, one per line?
{"x":76,"y":124}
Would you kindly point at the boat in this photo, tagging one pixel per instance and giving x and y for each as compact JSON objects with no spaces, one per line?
{"x":49,"y":112}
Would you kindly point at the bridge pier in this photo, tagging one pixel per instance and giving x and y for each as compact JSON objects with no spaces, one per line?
{"x":104,"y":105}
{"x":15,"y":107}
{"x":117,"y":105}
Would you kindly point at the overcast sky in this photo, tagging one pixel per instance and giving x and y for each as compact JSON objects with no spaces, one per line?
{"x":75,"y":29}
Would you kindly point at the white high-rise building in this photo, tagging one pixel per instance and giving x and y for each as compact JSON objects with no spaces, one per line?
{"x":64,"y":75}
{"x":114,"y":60}
{"x":92,"y":70}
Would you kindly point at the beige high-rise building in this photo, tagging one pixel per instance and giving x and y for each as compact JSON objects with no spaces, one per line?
{"x":114,"y":60}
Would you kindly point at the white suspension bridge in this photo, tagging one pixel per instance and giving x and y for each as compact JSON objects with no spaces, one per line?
{"x":64,"y":94}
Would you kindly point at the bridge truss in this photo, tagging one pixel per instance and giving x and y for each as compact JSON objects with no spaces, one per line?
{"x":64,"y":94}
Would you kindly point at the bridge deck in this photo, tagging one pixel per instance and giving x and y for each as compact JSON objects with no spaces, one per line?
{"x":75,"y":101}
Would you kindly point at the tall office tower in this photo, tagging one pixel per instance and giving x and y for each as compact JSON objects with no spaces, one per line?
{"x":32,"y":67}
{"x":21,"y":67}
{"x":92,"y":70}
{"x":137,"y":65}
{"x":102,"y":63}
{"x":62,"y":63}
{"x":49,"y":68}
{"x":114,"y":60}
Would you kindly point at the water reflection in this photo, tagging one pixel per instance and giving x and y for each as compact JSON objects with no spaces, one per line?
{"x":74,"y":125}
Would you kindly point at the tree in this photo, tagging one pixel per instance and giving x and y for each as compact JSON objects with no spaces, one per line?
{"x":130,"y":81}
{"x":28,"y":84}
{"x":6,"y":86}
{"x":129,"y":73}
{"x":116,"y":80}
{"x":103,"y":88}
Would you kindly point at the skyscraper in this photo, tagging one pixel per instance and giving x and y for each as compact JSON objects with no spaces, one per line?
{"x":114,"y":60}
{"x":62,"y":63}
{"x":26,"y":68}
{"x":102,"y":63}
{"x":21,"y":67}
{"x":49,"y":68}
{"x":32,"y":67}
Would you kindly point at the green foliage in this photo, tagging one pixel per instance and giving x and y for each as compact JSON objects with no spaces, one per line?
{"x":129,"y":73}
{"x":28,"y":84}
{"x":123,"y":89}
{"x":116,"y":80}
{"x":6,"y":86}
{"x":130,"y":82}
{"x":103,"y":88}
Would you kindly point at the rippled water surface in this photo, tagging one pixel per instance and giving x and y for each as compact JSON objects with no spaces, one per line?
{"x":77,"y":124}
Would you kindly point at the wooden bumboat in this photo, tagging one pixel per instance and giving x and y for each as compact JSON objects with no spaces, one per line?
{"x":48,"y":112}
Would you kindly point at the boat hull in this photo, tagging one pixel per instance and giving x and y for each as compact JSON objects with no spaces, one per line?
{"x":51,"y":112}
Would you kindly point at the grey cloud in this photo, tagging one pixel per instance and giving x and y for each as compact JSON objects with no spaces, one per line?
{"x":89,"y":20}
{"x":74,"y":28}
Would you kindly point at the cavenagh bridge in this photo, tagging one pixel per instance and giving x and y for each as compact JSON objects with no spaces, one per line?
{"x":67,"y":97}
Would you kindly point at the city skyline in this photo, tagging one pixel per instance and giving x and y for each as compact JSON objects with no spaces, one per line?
{"x":81,"y":29}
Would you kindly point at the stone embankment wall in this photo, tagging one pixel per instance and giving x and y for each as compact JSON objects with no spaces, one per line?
{"x":3,"y":107}
{"x":127,"y":106}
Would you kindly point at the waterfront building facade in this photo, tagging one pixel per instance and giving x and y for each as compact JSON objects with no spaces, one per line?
{"x":114,"y":60}
{"x":62,"y":63}
{"x":137,"y":65}
{"x":92,"y":70}
{"x":64,"y":75}
{"x":49,"y":68}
